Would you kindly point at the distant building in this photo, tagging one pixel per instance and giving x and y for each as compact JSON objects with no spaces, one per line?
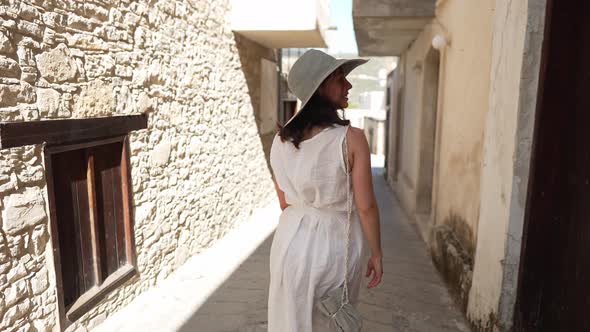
{"x":370,"y":116}
{"x":372,"y":100}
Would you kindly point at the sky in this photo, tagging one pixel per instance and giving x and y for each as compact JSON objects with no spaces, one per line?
{"x":343,"y":40}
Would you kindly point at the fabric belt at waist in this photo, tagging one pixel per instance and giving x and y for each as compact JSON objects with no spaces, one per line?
{"x":309,"y":209}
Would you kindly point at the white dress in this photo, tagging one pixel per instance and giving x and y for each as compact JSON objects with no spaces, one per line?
{"x":307,"y":253}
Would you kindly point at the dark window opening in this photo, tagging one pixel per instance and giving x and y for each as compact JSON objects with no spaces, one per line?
{"x":90,"y":199}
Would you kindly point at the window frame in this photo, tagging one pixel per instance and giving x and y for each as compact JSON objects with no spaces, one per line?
{"x":91,"y":297}
{"x":61,"y":135}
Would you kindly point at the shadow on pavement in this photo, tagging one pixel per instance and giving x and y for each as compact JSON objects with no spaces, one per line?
{"x":240,"y":303}
{"x":411,"y":297}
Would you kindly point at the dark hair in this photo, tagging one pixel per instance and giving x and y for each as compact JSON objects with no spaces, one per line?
{"x":319,"y":111}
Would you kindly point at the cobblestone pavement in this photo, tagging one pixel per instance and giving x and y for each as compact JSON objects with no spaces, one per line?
{"x":412,"y":296}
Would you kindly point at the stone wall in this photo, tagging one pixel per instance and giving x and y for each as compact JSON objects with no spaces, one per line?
{"x":27,"y":300}
{"x":197,"y":171}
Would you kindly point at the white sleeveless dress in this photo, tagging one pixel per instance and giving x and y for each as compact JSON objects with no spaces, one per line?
{"x":307,"y":253}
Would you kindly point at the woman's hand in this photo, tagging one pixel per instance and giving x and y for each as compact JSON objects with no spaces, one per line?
{"x":375,"y":267}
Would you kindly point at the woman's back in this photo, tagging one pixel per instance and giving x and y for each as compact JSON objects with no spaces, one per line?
{"x":309,"y":246}
{"x":313,"y":175}
{"x":318,"y":245}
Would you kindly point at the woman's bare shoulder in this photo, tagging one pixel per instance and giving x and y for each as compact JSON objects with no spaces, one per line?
{"x":356,"y":136}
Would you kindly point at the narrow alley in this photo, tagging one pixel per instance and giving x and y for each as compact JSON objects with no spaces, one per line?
{"x":137,"y":194}
{"x":412,"y":296}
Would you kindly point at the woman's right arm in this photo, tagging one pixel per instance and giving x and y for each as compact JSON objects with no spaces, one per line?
{"x":366,"y":203}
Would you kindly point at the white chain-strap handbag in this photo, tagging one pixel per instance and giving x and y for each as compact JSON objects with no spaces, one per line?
{"x":344,"y":316}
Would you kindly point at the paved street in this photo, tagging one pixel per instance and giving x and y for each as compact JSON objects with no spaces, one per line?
{"x":225,"y":289}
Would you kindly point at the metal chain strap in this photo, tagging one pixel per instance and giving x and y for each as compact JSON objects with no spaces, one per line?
{"x":349,"y":212}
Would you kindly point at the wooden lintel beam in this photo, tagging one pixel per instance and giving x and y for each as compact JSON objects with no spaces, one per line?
{"x":67,"y":131}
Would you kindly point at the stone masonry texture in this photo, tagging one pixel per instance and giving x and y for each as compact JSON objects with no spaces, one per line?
{"x":197,"y":171}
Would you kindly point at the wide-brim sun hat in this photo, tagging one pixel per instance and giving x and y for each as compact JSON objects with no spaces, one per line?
{"x":310,"y":70}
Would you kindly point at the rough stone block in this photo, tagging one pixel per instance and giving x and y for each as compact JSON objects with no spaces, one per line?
{"x":6,"y":46}
{"x":2,"y":302}
{"x":30,"y":29}
{"x":161,"y":154}
{"x":144,"y":103}
{"x":65,"y":106}
{"x":33,"y":265}
{"x":140,"y":36}
{"x":29,"y":43}
{"x":54,"y":20}
{"x":26,"y":93}
{"x":29,"y":113}
{"x":9,"y":67}
{"x":48,"y":101}
{"x":112,"y":33}
{"x":40,"y":282}
{"x":33,"y":172}
{"x":97,"y":320}
{"x":39,"y":238}
{"x":8,"y":180}
{"x":12,"y":94}
{"x":8,"y":94}
{"x":96,"y":12}
{"x":43,"y":325}
{"x":57,"y":65}
{"x":16,"y":245}
{"x":81,"y":23}
{"x":8,"y":24}
{"x":87,"y":42}
{"x":17,"y":312}
{"x":24,"y":210}
{"x":126,"y":58}
{"x":4,"y":256}
{"x":49,"y":37}
{"x":99,"y":65}
{"x":5,"y":268}
{"x":28,"y":12}
{"x":25,"y":56}
{"x":27,"y":327}
{"x":95,"y":99}
{"x":116,"y":18}
{"x":131,"y":19}
{"x":15,"y":292}
{"x":123,"y":71}
{"x":28,"y":74}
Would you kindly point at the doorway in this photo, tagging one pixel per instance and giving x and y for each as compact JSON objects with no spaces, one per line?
{"x":394,"y":95}
{"x":427,"y":133}
{"x":553,"y":293}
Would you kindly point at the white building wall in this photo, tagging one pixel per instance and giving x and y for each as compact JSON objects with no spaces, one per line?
{"x":518,"y":39}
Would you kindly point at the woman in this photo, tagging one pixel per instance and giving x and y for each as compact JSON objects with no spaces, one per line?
{"x":307,"y":158}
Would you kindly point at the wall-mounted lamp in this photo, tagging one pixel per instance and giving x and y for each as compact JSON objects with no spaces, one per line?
{"x":439,"y":42}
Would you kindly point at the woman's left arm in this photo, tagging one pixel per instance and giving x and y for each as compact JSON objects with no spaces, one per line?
{"x":281,"y":195}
